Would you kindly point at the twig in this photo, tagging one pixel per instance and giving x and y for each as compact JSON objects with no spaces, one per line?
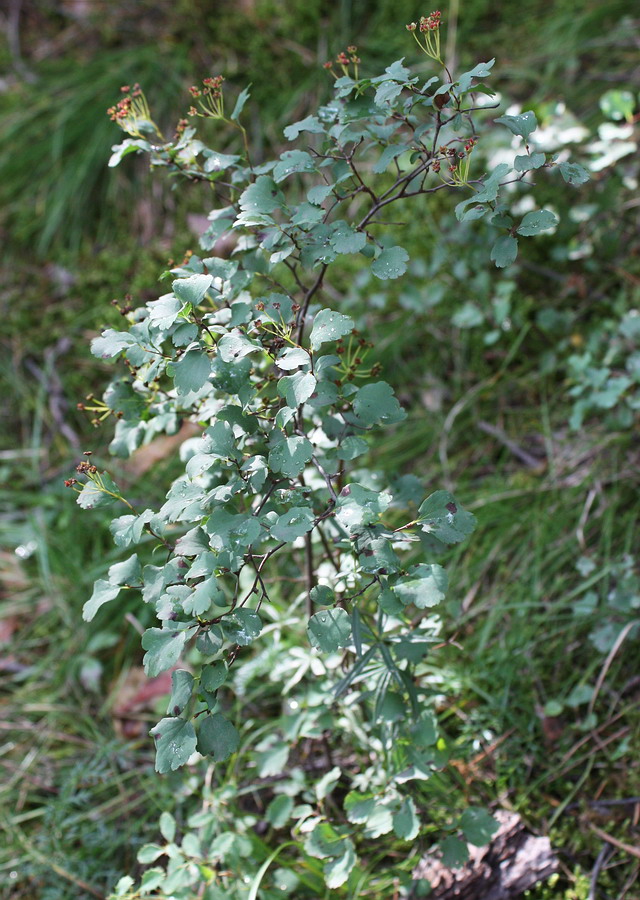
{"x":607,"y":663}
{"x":628,"y":848}
{"x":310,"y":573}
{"x":517,"y":451}
{"x":584,"y":515}
{"x":602,"y":857}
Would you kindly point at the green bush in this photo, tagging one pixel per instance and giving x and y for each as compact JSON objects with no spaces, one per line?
{"x":279,"y":524}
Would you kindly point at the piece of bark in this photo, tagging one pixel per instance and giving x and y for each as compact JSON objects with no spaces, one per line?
{"x":513,"y":862}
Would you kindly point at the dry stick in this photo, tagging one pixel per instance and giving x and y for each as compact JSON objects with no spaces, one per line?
{"x":589,"y":756}
{"x":517,"y":451}
{"x":628,"y":848}
{"x":607,"y":663}
{"x":327,"y":549}
{"x":629,"y":882}
{"x":602,"y":857}
{"x":588,"y":737}
{"x":584,"y":515}
{"x":302,"y":313}
{"x":311,"y":577}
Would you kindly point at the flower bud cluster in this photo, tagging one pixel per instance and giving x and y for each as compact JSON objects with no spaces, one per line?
{"x":429,"y":27}
{"x":454,"y":158}
{"x":132,"y":113}
{"x":344,"y":59}
{"x":432,"y":22}
{"x":209,"y":96}
{"x":124,"y":107}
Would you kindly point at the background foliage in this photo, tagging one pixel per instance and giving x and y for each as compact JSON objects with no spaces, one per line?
{"x":514,"y":385}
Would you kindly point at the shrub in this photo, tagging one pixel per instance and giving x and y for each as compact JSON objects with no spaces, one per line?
{"x":278,"y":523}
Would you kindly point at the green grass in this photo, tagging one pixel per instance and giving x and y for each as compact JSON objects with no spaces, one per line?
{"x":76,"y":799}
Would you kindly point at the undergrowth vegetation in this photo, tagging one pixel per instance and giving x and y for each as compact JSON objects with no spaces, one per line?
{"x":519,"y":387}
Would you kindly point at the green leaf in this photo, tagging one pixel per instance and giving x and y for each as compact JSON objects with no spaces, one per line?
{"x":318,"y":194}
{"x":391,"y":709}
{"x":392,"y":263}
{"x":235,"y":346}
{"x":321,"y":595}
{"x":127,"y":403}
{"x":103,"y":592}
{"x":214,"y":676}
{"x":359,"y":807}
{"x":242,"y":627}
{"x":279,"y":811}
{"x":329,"y":326}
{"x":293,"y":162}
{"x":258,"y":200}
{"x":478,"y":826}
{"x":205,"y":595}
{"x":359,"y":505}
{"x":125,"y":148}
{"x":271,"y":757}
{"x":391,"y":152}
{"x":217,"y":162}
{"x":175,"y":742}
{"x":329,"y":629}
{"x":243,"y":96}
{"x":537,"y":221}
{"x":406,"y":824}
{"x":389,"y":85}
{"x":325,"y":841}
{"x":351,"y":447}
{"x":375,"y":553}
{"x":529,"y":161}
{"x":424,"y":586}
{"x":128,"y":530}
{"x":192,"y":289}
{"x":347,"y":240}
{"x":293,"y":524}
{"x":454,"y":852}
{"x":424,"y":732}
{"x":336,"y":872}
{"x":292,"y":358}
{"x":192,"y":371}
{"x":445,"y":519}
{"x":523,"y":124}
{"x":181,"y":690}
{"x":296,"y":389}
{"x":290,"y":456}
{"x":149,"y":853}
{"x":97,"y":494}
{"x":311,"y":124}
{"x":574,"y":173}
{"x":163,"y":648}
{"x":376,"y":403}
{"x":469,"y":315}
{"x":482,"y":70}
{"x":486,"y":194}
{"x":327,"y":782}
{"x":504,"y":251}
{"x":618,"y":105}
{"x":210,"y":642}
{"x":378,"y":822}
{"x":111,"y":343}
{"x":167,"y":826}
{"x":192,"y":543}
{"x":218,"y":737}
